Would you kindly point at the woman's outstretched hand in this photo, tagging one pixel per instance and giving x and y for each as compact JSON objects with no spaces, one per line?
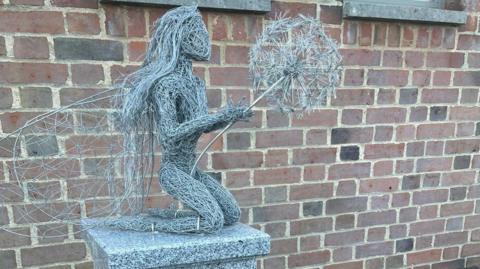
{"x":239,"y":111}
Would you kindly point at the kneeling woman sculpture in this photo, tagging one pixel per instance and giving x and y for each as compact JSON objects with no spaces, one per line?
{"x":166,"y":91}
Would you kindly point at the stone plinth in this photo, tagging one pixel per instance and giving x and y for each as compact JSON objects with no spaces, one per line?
{"x":234,"y":247}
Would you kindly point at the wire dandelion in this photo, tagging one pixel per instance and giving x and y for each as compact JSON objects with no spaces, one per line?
{"x":295,"y":65}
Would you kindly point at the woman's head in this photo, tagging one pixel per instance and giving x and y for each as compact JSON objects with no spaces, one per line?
{"x":180,"y":31}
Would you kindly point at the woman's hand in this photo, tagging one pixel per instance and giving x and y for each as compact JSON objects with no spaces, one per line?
{"x":240,"y":113}
{"x":237,"y":112}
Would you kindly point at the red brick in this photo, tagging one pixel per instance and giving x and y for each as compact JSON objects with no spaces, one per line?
{"x":346,"y":205}
{"x":275,"y":212}
{"x":427,"y":227}
{"x":462,"y":178}
{"x":465,"y":113}
{"x":430,"y":196}
{"x":87,"y":74}
{"x":277,"y":176}
{"x":76,"y":3}
{"x":248,"y":196}
{"x":379,"y":185}
{"x":6,"y":98}
{"x":347,"y":170}
{"x":466,"y":78}
{"x":469,"y":42}
{"x":307,"y":191}
{"x":237,"y":23}
{"x":383,"y":168}
{"x":366,"y":31}
{"x":292,"y":9}
{"x":118,"y":72}
{"x":318,"y":117}
{"x":436,"y":37}
{"x":435,"y":130}
{"x":462,"y":146}
{"x":434,"y":164}
{"x":331,"y":14}
{"x":27,"y":2}
{"x":374,"y":249}
{"x":455,"y":209}
{"x":387,"y":77}
{"x":236,"y":54}
{"x":277,"y":119}
{"x":352,"y":116}
{"x":386,"y":115}
{"x":309,"y":226}
{"x":219,"y":27}
{"x":316,"y":137}
{"x":353,"y":77}
{"x":470,"y":250}
{"x":424,"y":256}
{"x":310,"y":243}
{"x":441,"y":78}
{"x":392,"y":58}
{"x":32,"y":22}
{"x":268,"y":139}
{"x":394,"y":35}
{"x":29,"y":47}
{"x":470,"y":26}
{"x":33,"y":73}
{"x":237,"y":179}
{"x":115,"y":20}
{"x":360,"y":57}
{"x":137,"y":50}
{"x":229,"y":76}
{"x":314,"y":155}
{"x":405,"y":132}
{"x":53,"y":254}
{"x":474,"y":60}
{"x":376,"y":218}
{"x":422,"y":37}
{"x":380,"y":34}
{"x":314,"y":173}
{"x":445,"y":59}
{"x":350,"y":30}
{"x":379,"y":151}
{"x":472,"y":221}
{"x":439,"y":95}
{"x":283,"y":246}
{"x":83,"y":23}
{"x":237,"y":160}
{"x":309,"y":258}
{"x":344,"y":238}
{"x":136,"y":24}
{"x":414,"y":59}
{"x":421,"y":78}
{"x":276,"y":157}
{"x":408,"y":36}
{"x":351,"y":135}
{"x":351,"y":97}
{"x":449,"y":38}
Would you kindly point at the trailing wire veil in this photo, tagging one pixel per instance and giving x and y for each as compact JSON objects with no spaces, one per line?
{"x":99,"y":154}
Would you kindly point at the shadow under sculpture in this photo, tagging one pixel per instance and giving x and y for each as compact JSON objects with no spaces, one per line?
{"x":166,"y":91}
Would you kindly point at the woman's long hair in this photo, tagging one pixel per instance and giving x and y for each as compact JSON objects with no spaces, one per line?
{"x":136,"y":108}
{"x":160,"y":60}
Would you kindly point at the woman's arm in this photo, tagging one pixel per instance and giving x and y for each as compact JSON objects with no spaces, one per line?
{"x":173,"y":131}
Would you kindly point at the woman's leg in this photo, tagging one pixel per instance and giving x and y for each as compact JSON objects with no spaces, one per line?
{"x":196,"y":196}
{"x":206,"y":217}
{"x":228,"y":204}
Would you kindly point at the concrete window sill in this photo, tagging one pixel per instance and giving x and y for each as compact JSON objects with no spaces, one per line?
{"x":237,"y":5}
{"x":403,"y":13}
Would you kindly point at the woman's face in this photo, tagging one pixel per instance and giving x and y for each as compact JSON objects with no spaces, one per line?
{"x":196,"y":43}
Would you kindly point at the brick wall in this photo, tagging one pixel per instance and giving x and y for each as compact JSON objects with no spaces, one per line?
{"x":385,"y":177}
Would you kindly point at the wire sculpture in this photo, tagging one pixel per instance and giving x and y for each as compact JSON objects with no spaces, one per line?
{"x":96,"y":155}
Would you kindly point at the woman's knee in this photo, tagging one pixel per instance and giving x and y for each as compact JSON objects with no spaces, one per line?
{"x":214,"y":221}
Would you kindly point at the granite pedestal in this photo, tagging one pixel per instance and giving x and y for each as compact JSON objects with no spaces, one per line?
{"x":234,"y":247}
